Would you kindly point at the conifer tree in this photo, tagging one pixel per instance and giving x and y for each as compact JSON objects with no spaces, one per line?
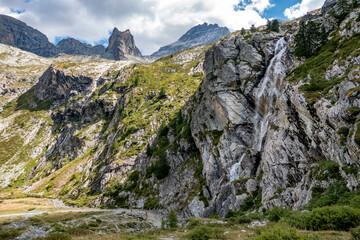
{"x":309,"y":39}
{"x":253,"y":28}
{"x":172,"y":219}
{"x":275,"y":25}
{"x":243,"y":31}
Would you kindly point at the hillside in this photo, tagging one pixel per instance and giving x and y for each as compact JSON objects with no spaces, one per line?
{"x":255,"y":126}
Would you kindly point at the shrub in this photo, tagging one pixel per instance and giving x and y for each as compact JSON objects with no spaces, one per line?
{"x":162,"y":93}
{"x":281,"y":232}
{"x":172,"y":220}
{"x":161,"y":167}
{"x":327,"y":218}
{"x":336,"y":194}
{"x":326,"y":170}
{"x":243,"y":219}
{"x":205,"y":233}
{"x":355,"y":233}
{"x":56,"y":236}
{"x":276,"y":213}
{"x":357,"y":135}
{"x":9,"y":234}
{"x":355,"y":202}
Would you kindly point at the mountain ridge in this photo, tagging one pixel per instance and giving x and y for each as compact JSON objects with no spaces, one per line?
{"x":197,"y":35}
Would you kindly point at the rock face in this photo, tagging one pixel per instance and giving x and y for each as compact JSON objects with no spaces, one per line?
{"x":198,"y":35}
{"x":75,"y":47}
{"x":55,"y":85}
{"x":122,"y":45}
{"x":16,"y":33}
{"x":246,"y":125}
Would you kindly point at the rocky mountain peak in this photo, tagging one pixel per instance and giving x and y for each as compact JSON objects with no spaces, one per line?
{"x":75,"y":47}
{"x":122,"y":44}
{"x":198,"y":35}
{"x":17,"y":34}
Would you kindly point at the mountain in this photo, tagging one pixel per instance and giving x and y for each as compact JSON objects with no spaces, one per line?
{"x":75,"y":47}
{"x":231,"y":128}
{"x":16,"y":33}
{"x":122,"y":45}
{"x":198,"y":35}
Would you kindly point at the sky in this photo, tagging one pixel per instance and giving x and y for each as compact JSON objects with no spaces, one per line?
{"x":154,"y":23}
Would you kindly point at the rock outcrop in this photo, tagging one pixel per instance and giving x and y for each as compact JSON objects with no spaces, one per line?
{"x":16,"y":33}
{"x":56,"y":85}
{"x":75,"y":47}
{"x":198,"y":35}
{"x":122,"y":45}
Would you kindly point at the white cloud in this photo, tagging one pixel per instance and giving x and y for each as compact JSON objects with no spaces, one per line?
{"x":302,"y":8}
{"x":154,"y":23}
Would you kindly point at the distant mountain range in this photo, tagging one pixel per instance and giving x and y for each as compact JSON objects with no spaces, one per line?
{"x":122,"y":45}
{"x":198,"y":35}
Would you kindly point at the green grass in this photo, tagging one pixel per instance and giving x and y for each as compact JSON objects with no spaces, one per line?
{"x":315,"y":67}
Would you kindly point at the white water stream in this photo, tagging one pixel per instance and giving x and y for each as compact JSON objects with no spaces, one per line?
{"x":267,"y":92}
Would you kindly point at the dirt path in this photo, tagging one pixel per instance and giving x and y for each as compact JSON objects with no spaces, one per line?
{"x":23,"y":208}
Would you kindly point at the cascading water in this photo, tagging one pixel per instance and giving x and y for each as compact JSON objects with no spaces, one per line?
{"x":267,"y":92}
{"x":265,"y":96}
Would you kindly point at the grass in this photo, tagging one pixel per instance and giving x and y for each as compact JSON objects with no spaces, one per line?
{"x":313,"y":69}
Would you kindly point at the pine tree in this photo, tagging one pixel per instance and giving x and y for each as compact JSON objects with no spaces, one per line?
{"x":243,"y":31}
{"x":309,"y":39}
{"x":275,"y":26}
{"x":172,"y":219}
{"x":253,"y":28}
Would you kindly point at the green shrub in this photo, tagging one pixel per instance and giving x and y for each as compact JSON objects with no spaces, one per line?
{"x":336,"y":194}
{"x":56,"y":236}
{"x":162,"y":93}
{"x":281,"y":232}
{"x":243,"y":219}
{"x":205,"y":233}
{"x":355,"y":202}
{"x":357,"y":135}
{"x":161,"y":167}
{"x":172,"y":219}
{"x":340,"y":218}
{"x":9,"y":234}
{"x":326,"y":170}
{"x":355,"y":233}
{"x":276,"y":213}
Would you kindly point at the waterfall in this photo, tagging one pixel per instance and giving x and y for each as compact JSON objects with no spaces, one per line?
{"x":267,"y":92}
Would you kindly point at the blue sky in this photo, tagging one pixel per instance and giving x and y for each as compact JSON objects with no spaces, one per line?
{"x":154,"y":23}
{"x":278,"y":10}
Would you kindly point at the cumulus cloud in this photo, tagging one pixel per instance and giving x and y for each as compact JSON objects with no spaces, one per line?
{"x":154,"y":23}
{"x":302,"y":8}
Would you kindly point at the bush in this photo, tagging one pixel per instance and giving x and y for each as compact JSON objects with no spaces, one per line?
{"x":355,"y":233}
{"x":9,"y":234}
{"x":281,"y":232}
{"x":336,"y":194}
{"x":243,"y":219}
{"x":355,"y":202}
{"x":161,"y":167}
{"x":205,"y":233}
{"x":276,"y":213}
{"x":172,"y":220}
{"x":327,"y":218}
{"x":162,"y":93}
{"x":56,"y":236}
